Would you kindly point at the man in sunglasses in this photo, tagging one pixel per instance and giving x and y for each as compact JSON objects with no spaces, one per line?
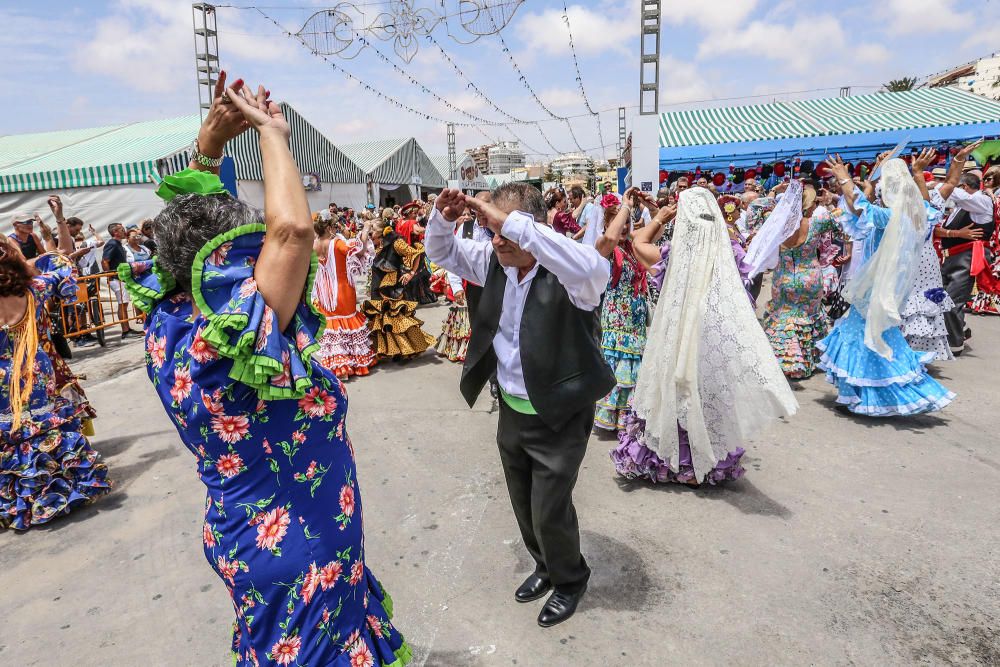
{"x":25,"y":237}
{"x":535,"y":330}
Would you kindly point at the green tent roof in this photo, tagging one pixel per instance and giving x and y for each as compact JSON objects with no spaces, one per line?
{"x":877,"y":112}
{"x":113,"y":155}
{"x":393,"y":161}
{"x":132,"y":153}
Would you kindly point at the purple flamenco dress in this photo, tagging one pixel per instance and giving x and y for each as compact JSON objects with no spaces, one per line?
{"x":634,"y":460}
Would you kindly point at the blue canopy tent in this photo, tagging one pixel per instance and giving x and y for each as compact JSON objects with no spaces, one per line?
{"x":855,"y":127}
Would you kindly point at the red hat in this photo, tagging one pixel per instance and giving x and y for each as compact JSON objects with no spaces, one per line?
{"x":750,"y":175}
{"x":779,"y":169}
{"x":719,"y":179}
{"x":823,"y":170}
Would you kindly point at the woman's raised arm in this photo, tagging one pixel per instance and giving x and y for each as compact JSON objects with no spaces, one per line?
{"x":283,"y":265}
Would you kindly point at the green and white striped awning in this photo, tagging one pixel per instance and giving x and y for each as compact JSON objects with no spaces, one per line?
{"x":113,"y":155}
{"x":133,"y":153}
{"x":878,"y":112}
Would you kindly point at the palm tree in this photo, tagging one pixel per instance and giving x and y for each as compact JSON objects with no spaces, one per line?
{"x":898,"y":85}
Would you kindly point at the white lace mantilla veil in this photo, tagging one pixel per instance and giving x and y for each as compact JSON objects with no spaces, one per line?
{"x":885,"y":281}
{"x":785,"y":219}
{"x":707,"y":365}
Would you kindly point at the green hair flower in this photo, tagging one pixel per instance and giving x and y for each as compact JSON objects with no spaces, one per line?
{"x":190,"y":181}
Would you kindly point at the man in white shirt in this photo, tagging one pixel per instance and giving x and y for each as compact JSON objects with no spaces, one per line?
{"x":970,"y":222}
{"x":588,"y":215}
{"x":535,"y":330}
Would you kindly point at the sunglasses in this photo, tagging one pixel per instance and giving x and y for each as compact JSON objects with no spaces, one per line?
{"x":29,"y":221}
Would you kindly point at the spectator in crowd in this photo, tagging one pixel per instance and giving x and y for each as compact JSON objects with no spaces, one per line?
{"x":147,"y":235}
{"x":24,"y":235}
{"x":588,"y":215}
{"x":114,"y":254}
{"x":134,"y":250}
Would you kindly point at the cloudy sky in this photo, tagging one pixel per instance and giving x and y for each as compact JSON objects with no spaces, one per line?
{"x":83,"y":64}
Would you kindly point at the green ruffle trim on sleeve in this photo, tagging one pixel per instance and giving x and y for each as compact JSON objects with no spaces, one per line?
{"x":232,"y":335}
{"x":145,"y":297}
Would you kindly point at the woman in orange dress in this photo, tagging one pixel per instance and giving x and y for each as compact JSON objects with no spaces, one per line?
{"x":345,"y":346}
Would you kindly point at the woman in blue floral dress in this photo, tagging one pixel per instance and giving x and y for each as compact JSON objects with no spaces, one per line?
{"x":795,"y":317}
{"x":623,"y":313}
{"x":229,"y":341}
{"x":47,"y":466}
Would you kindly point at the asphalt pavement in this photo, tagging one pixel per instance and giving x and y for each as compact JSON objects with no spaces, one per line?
{"x":850,"y":541}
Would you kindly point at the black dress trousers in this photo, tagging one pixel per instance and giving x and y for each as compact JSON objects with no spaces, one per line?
{"x":958,"y":282}
{"x":541,"y":467}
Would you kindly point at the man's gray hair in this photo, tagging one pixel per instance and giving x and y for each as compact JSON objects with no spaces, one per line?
{"x":523,"y":197}
{"x":971,"y":180}
{"x":190,"y":221}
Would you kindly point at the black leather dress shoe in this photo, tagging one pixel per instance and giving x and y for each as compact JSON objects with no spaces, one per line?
{"x":533,"y":588}
{"x":560,"y":607}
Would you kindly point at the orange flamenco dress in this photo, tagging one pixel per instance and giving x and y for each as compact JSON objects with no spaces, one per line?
{"x":345,"y":346}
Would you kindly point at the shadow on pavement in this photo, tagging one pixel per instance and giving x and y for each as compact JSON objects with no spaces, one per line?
{"x":916,"y":424}
{"x":741,"y":494}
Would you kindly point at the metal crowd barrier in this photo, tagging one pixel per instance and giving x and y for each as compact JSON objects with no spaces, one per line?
{"x":96,"y":309}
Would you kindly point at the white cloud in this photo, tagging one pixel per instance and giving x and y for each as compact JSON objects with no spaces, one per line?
{"x":872,"y":53}
{"x":560,"y":98}
{"x":594,"y":31}
{"x":147,"y":44}
{"x":906,"y":17}
{"x":770,"y":39}
{"x":709,"y":14}
{"x":682,"y":81}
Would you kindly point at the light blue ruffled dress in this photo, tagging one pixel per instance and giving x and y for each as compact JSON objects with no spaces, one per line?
{"x":868,"y":383}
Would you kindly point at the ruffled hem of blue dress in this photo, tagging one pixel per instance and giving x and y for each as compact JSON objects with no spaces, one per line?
{"x":871,"y":385}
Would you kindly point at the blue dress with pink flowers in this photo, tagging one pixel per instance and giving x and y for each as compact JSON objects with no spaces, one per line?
{"x":266,"y":424}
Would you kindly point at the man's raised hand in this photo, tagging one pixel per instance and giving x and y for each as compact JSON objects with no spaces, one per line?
{"x":488,"y":214}
{"x":451,"y":203}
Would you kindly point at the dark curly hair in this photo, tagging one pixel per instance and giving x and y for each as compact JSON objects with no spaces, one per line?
{"x":15,"y":273}
{"x":188,"y":222}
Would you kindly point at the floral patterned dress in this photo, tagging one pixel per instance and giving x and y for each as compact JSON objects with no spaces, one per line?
{"x":266,"y":425}
{"x":795,"y":317}
{"x":47,"y":466}
{"x":623,"y":338}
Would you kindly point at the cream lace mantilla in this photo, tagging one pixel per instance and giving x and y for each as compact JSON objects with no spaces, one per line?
{"x":707,"y":365}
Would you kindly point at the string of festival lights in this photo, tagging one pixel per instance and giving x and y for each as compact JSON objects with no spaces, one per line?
{"x":478,"y":119}
{"x":579,"y":76}
{"x":399,"y":70}
{"x":478,"y":91}
{"x":531,"y":91}
{"x":368,"y":87}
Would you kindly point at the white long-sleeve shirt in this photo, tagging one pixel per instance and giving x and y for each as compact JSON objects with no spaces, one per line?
{"x":578,"y":267}
{"x":979,"y":205}
{"x":593,"y":219}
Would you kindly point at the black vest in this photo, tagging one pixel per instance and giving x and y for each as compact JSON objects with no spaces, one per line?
{"x":964,"y":219}
{"x":564,"y":370}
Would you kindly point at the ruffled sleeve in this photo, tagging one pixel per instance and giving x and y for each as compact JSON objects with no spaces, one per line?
{"x":146,"y":283}
{"x":872,"y":216}
{"x":241,"y":327}
{"x":358,"y":257}
{"x":56,"y":278}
